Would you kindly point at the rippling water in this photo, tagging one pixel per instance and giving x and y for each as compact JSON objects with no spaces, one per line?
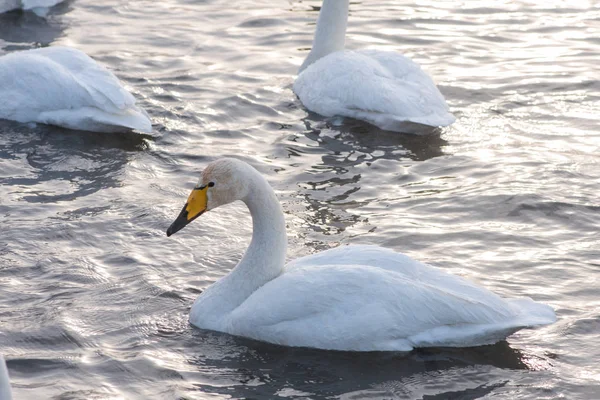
{"x":94,"y":298}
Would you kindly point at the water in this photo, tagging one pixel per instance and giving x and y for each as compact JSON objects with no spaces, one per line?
{"x":95,"y":298}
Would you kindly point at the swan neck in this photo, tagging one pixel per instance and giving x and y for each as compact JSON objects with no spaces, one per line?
{"x":330,"y":35}
{"x":265,"y":257}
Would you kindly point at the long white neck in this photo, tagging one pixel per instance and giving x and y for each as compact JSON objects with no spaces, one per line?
{"x":330,"y":35}
{"x":263,"y":261}
{"x":265,"y":257}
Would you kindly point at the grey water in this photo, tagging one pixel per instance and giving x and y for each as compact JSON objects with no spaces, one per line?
{"x":94,"y":297}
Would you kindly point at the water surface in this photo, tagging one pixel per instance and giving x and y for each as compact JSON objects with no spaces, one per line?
{"x":95,"y":298}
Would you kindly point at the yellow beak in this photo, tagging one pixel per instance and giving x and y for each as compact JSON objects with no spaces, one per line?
{"x":194,"y":207}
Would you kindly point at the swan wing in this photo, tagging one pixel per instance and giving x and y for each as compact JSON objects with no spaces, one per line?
{"x":64,"y":86}
{"x":368,"y":255}
{"x":406,"y":70}
{"x":387,"y":259}
{"x":359,"y":307}
{"x":383,"y":88}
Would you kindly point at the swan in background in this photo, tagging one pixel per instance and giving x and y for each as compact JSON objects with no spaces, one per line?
{"x":40,"y":7}
{"x":5,"y":391}
{"x":383,"y":88}
{"x":359,"y":298}
{"x":64,"y":86}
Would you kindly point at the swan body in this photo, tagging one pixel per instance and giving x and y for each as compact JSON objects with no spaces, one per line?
{"x":64,"y":86}
{"x":383,"y":88}
{"x":40,"y":7}
{"x":370,"y":298}
{"x":5,"y":390}
{"x":356,"y":298}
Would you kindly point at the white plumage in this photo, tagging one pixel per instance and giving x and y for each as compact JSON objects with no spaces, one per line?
{"x":63,"y":86}
{"x":383,"y":88}
{"x":371,"y":298}
{"x":360,"y":298}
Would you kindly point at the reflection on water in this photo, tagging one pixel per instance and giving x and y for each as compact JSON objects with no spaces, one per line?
{"x":61,"y":164}
{"x":24,"y":29}
{"x":261,"y":370}
{"x":342,"y":156}
{"x":357,"y":136}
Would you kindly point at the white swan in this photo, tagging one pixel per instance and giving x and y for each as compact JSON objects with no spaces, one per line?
{"x":383,"y":88}
{"x":63,"y":86}
{"x":361,"y":298}
{"x":40,"y":7}
{"x":5,"y":391}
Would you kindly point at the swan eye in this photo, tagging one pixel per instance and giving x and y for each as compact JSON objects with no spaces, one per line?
{"x":201,"y":187}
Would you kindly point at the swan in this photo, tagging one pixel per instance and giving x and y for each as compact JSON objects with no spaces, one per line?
{"x":355,"y":298}
{"x":384,"y":88}
{"x":5,"y":391}
{"x":63,"y":86}
{"x":40,"y":7}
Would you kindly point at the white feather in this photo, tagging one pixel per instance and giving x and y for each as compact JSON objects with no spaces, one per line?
{"x":65,"y":87}
{"x":385,"y":89}
{"x":370,"y":298}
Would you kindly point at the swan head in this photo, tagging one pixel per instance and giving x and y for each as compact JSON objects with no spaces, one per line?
{"x":222,"y":182}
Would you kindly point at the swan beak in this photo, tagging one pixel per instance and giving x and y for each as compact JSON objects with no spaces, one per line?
{"x":195,"y":207}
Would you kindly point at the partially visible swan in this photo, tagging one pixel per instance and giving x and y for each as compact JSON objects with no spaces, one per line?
{"x":5,"y":391}
{"x":40,"y":7}
{"x":63,"y":86}
{"x":361,"y":298}
{"x":383,"y":88}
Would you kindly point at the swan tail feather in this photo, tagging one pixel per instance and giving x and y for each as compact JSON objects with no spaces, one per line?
{"x":532,"y":314}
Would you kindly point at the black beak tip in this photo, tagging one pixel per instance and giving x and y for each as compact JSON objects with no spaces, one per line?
{"x":175,"y":227}
{"x":181,"y":221}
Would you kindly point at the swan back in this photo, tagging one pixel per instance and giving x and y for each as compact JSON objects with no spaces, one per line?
{"x":386,"y":89}
{"x":104,"y":88}
{"x":63,"y":86}
{"x":368,"y":298}
{"x":69,"y":76}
